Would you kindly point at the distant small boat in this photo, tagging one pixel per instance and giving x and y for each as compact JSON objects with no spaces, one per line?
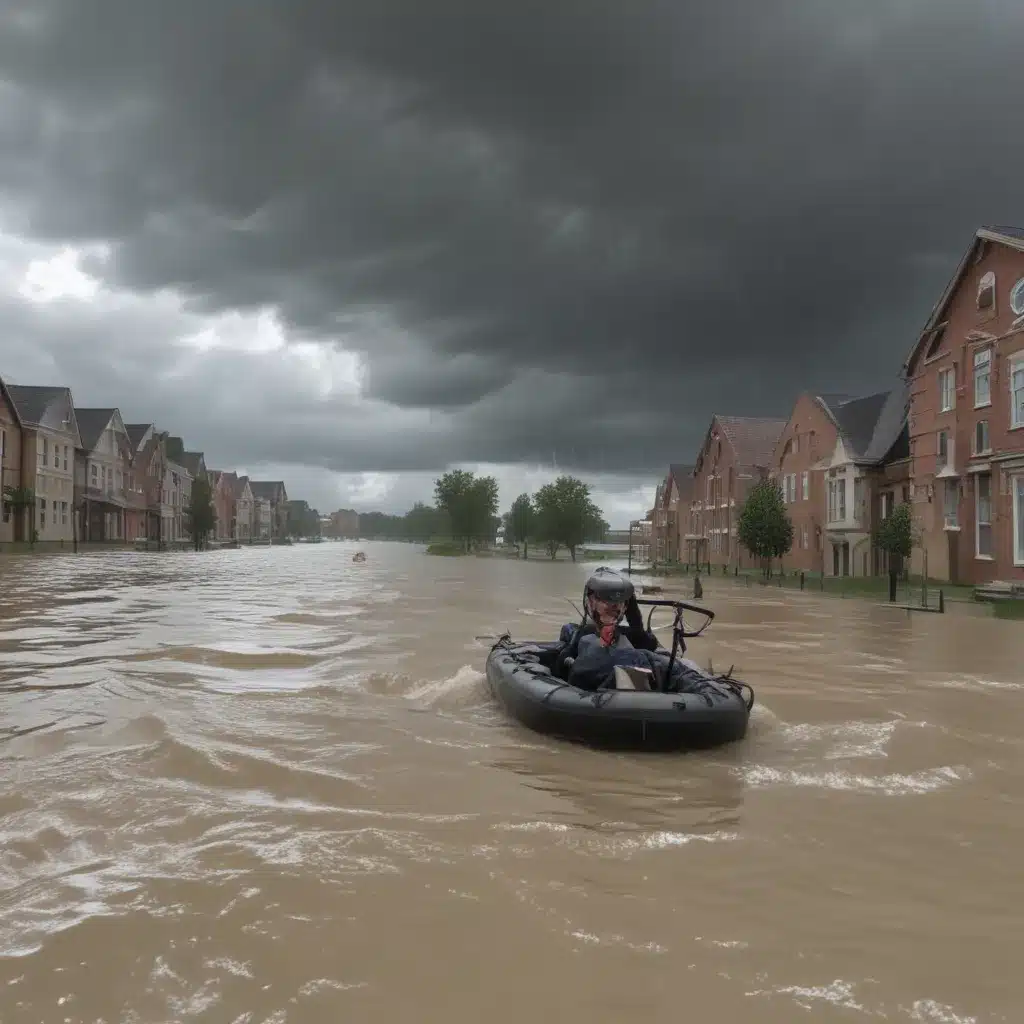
{"x":359,"y":556}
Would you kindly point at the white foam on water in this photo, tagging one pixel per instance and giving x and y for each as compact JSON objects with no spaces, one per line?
{"x":466,"y":679}
{"x":936,"y":1013}
{"x":975,"y":683}
{"x":929,"y":781}
{"x":530,"y":826}
{"x":845,"y":740}
{"x":840,"y":994}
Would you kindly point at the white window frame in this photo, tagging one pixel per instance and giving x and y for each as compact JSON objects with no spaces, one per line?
{"x":988,"y":438}
{"x":1017,"y":298}
{"x":1016,"y":362}
{"x":983,"y":373}
{"x":951,"y":504}
{"x":947,"y":390}
{"x":941,"y":462}
{"x":805,"y":483}
{"x":1017,"y":490}
{"x":977,"y":517}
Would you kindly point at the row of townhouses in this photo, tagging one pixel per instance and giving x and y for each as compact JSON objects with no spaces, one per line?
{"x":948,"y":438}
{"x":71,"y":474}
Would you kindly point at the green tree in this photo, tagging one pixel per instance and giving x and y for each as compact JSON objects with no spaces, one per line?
{"x":200,"y":514}
{"x":471,"y":503}
{"x":895,"y":536}
{"x":566,"y":514}
{"x":519,"y":523}
{"x":763,"y":527}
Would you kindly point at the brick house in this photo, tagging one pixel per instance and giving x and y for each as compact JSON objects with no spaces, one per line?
{"x":149,"y":465}
{"x":49,"y":438}
{"x":840,"y":463}
{"x":245,"y":509}
{"x":737,"y":452}
{"x":14,"y":521}
{"x":966,"y":376}
{"x":799,"y":463}
{"x":271,"y":498}
{"x":671,"y":509}
{"x":102,"y":477}
{"x":866,"y":471}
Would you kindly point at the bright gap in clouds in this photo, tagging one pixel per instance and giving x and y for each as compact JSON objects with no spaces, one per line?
{"x":53,"y":283}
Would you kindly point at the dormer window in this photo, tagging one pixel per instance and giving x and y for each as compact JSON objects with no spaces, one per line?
{"x":987,"y":292}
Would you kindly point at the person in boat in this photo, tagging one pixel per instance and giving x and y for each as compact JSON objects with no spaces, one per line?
{"x":600,"y":644}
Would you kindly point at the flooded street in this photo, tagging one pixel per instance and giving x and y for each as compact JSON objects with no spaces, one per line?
{"x":269,"y":785}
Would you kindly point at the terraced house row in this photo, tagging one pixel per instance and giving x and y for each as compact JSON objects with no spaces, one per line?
{"x":73,"y":474}
{"x":948,"y":437}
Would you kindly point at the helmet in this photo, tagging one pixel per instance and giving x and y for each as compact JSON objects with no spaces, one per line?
{"x":606,"y":595}
{"x":608,"y":585}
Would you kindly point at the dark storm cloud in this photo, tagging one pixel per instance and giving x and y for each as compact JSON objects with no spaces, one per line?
{"x":615,"y":219}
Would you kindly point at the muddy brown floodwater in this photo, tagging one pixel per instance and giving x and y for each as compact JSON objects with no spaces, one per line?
{"x":270,"y":785}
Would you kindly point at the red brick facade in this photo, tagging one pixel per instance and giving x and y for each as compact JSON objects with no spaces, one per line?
{"x":737,"y":452}
{"x":799,"y":465}
{"x":967,"y":418}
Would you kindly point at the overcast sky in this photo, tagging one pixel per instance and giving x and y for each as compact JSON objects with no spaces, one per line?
{"x":355,"y":242}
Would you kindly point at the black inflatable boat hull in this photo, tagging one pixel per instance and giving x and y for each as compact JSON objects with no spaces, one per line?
{"x":629,"y":719}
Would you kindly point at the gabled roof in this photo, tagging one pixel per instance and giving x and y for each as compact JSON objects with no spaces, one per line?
{"x":1003,"y":234}
{"x":679,"y":473}
{"x":871,"y":426}
{"x":241,"y":482}
{"x":753,"y":438}
{"x":193,"y":462}
{"x":10,"y":401}
{"x":267,"y":489}
{"x":136,"y":432}
{"x":175,"y":449}
{"x":32,"y":401}
{"x":91,"y":424}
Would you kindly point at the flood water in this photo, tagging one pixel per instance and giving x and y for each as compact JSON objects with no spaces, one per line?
{"x":269,"y":785}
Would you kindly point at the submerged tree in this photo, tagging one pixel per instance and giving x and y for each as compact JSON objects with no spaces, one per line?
{"x":566,"y":514}
{"x":895,"y":536}
{"x":471,"y":503}
{"x":200,"y":514}
{"x":764,"y":528}
{"x":519,"y":523}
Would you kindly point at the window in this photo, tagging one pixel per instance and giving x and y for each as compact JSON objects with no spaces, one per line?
{"x":983,"y":515}
{"x":983,"y":377}
{"x":837,"y":499}
{"x":42,"y":513}
{"x":981,"y":441}
{"x":55,"y":520}
{"x":790,"y":488}
{"x":1017,"y":390}
{"x":1018,"y":520}
{"x":64,"y":513}
{"x":803,"y":536}
{"x":1017,"y":298}
{"x":942,"y":458}
{"x":44,"y":453}
{"x":951,"y":504}
{"x":805,"y":481}
{"x":886,"y":506}
{"x":92,"y":472}
{"x":3,"y":444}
{"x":987,"y":291}
{"x":946,"y":392}
{"x":56,"y":456}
